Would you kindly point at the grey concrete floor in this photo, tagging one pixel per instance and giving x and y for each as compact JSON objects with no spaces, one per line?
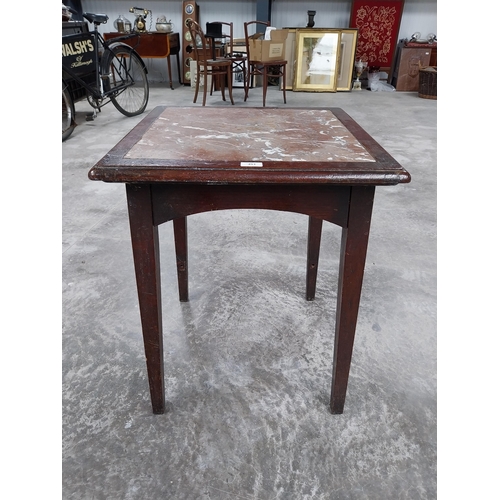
{"x":248,"y":360}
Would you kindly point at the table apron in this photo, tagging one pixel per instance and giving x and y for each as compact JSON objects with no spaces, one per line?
{"x":330,"y":203}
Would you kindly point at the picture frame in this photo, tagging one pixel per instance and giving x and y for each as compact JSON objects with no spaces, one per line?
{"x":316,"y":60}
{"x":347,"y":55}
{"x":290,"y":53}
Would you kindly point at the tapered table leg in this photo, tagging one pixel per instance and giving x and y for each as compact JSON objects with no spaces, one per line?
{"x":352,"y":263}
{"x":313,"y":245}
{"x":144,"y":236}
{"x":180,"y":238}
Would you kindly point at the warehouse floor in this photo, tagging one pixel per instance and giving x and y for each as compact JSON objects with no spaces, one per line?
{"x":248,"y":360}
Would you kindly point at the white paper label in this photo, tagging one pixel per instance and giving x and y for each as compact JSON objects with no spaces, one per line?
{"x":275,"y":49}
{"x":251,"y":164}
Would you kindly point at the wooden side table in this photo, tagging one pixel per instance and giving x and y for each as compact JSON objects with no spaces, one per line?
{"x":154,"y":45}
{"x":314,"y":161}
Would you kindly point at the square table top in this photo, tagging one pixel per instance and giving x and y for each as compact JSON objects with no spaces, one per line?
{"x":249,"y":145}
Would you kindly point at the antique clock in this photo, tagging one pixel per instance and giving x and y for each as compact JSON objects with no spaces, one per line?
{"x":190,"y":11}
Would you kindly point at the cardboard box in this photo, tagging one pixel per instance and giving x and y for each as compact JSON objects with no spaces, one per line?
{"x":268,"y":50}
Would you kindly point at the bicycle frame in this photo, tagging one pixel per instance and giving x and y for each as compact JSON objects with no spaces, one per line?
{"x":81,"y":51}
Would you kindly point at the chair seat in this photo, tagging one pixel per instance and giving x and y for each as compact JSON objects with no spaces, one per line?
{"x":219,"y":62}
{"x":268,"y":63}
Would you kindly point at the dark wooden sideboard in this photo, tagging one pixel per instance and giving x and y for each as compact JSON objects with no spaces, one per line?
{"x":154,"y":45}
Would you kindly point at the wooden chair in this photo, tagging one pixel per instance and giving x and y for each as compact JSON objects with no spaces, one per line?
{"x":275,"y":69}
{"x":207,"y":66}
{"x":238,"y":59}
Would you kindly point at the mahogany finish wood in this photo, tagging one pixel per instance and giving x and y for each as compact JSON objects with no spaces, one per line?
{"x":154,"y":45}
{"x":145,"y":248}
{"x":313,"y":161}
{"x":181,"y":249}
{"x":313,"y":245}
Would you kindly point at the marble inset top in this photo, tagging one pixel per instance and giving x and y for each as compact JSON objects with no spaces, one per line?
{"x":249,"y":135}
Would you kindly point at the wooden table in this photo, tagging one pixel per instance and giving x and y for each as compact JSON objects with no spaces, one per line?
{"x":317,"y":162}
{"x":154,"y":45}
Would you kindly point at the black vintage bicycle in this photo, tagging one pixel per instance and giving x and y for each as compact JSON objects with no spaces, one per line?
{"x":101,"y":71}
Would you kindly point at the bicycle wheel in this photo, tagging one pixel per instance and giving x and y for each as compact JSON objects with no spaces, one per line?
{"x":68,"y":113}
{"x":126,"y":74}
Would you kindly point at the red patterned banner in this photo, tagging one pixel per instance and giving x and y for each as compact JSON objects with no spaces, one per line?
{"x":378,"y":23}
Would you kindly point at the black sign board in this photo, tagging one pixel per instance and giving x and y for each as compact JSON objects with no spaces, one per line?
{"x":79,"y":52}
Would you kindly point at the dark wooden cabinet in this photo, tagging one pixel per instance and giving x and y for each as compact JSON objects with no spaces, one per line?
{"x":409,"y":58}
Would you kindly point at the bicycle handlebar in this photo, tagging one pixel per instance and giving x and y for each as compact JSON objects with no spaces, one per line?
{"x":91,"y":18}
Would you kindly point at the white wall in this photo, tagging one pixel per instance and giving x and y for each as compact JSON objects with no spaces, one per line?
{"x":237,"y":11}
{"x":418,"y":15}
{"x":293,"y":13}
